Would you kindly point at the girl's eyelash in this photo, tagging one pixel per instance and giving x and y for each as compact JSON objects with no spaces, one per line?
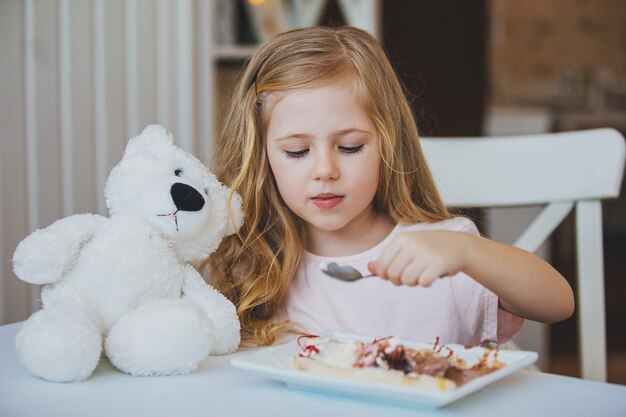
{"x":296,"y":154}
{"x":351,"y":149}
{"x":344,"y":149}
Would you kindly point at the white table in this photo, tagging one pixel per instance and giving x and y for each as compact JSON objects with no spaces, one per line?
{"x":217,"y":389}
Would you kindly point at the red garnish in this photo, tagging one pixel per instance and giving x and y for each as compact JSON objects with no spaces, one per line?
{"x":442,"y":347}
{"x":307,"y":351}
{"x":436,"y":343}
{"x":305,"y":336}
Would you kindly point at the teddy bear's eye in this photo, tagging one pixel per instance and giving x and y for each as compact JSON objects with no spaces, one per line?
{"x":178,"y":172}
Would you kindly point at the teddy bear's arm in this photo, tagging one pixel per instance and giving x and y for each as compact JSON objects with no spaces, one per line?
{"x":44,"y":256}
{"x":220,"y":310}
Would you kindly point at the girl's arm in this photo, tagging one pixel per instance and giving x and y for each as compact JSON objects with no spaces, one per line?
{"x":527,"y":285}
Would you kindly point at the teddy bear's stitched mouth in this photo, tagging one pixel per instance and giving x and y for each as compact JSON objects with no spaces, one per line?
{"x":173,"y":214}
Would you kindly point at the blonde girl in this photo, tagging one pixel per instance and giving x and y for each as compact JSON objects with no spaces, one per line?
{"x":321,"y":144}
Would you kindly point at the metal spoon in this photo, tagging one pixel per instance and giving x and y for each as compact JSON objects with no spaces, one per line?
{"x":341,"y":271}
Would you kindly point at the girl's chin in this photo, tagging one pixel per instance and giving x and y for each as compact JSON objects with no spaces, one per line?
{"x":328,"y":226}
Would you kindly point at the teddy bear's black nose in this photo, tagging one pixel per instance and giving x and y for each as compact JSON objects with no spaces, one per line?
{"x":186,"y":197}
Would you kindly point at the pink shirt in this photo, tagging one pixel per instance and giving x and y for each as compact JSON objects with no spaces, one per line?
{"x":457,"y":309}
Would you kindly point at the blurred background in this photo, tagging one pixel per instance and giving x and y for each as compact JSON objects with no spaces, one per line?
{"x":80,"y":77}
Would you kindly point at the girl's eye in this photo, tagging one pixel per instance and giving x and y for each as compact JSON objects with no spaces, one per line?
{"x":178,"y":172}
{"x":351,"y":149}
{"x":296,"y":154}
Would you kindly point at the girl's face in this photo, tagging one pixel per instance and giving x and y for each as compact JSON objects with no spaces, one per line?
{"x":323,"y":151}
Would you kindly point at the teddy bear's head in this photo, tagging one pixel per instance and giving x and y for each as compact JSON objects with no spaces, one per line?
{"x":170,"y":189}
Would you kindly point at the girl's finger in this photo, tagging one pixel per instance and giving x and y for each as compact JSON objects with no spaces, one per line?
{"x":399,"y":263}
{"x":371,"y":266}
{"x":411,"y":274}
{"x":429,"y":276}
{"x":385,"y":259}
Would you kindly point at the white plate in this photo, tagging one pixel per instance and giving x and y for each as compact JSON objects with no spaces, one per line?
{"x":275,"y":363}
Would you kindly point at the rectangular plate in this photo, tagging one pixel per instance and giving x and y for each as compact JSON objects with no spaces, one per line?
{"x":275,"y":362}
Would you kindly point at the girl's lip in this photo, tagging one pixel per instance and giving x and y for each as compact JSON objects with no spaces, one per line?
{"x":327,"y":200}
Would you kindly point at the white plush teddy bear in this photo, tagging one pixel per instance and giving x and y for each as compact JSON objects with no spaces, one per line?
{"x":128,"y":281}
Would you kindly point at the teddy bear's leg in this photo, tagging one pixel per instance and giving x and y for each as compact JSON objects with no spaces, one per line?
{"x":59,"y":345}
{"x":163,"y":337}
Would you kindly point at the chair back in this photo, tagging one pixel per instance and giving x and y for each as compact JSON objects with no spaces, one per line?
{"x":560,"y":171}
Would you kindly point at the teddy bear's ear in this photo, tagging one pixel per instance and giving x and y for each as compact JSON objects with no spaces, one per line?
{"x":152,"y":135}
{"x":236,"y":214}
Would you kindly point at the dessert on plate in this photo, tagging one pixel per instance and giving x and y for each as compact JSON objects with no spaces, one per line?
{"x":389,"y":360}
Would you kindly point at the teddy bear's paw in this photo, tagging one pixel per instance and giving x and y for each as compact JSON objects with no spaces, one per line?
{"x":31,"y":266}
{"x":227,"y":326}
{"x":59,"y":345}
{"x":227,"y":336}
{"x":46,"y":255}
{"x":218,"y":308}
{"x":164,"y":337}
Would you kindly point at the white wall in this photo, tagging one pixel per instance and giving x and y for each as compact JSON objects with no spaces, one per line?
{"x":77,"y":79}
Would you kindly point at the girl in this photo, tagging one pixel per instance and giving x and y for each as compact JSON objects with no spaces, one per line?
{"x":321,"y":144}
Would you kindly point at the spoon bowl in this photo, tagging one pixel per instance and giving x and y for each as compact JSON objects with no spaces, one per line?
{"x":342,"y":272}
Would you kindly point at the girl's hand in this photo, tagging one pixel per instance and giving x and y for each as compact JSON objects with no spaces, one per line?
{"x":421,"y":257}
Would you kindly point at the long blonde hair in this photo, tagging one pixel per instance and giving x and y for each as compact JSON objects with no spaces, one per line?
{"x":254,"y":268}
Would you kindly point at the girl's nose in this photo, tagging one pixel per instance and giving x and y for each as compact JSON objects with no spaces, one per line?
{"x":325,"y":168}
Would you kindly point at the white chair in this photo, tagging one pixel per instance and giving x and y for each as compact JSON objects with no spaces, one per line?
{"x":560,"y":171}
